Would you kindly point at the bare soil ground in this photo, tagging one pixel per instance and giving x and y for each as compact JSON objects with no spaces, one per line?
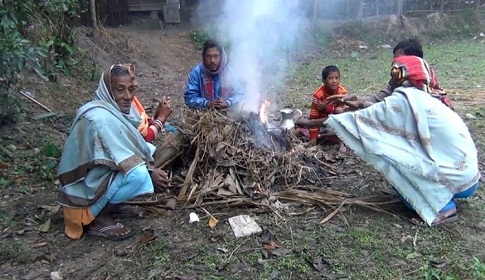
{"x":357,"y":242}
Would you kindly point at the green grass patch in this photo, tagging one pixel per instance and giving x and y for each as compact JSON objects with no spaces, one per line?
{"x":458,"y":65}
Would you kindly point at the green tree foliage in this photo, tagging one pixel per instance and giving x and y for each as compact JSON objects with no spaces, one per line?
{"x":36,"y":35}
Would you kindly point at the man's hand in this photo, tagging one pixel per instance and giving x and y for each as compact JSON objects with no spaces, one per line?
{"x":160,"y":180}
{"x":221,"y":103}
{"x":340,"y":99}
{"x":164,"y":109}
{"x":354,"y":105}
{"x":217,"y":104}
{"x":321,"y":106}
{"x":211,"y":104}
{"x":338,"y":110}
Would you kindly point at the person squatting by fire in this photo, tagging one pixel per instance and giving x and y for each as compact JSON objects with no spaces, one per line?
{"x":106,"y":159}
{"x":320,"y":109}
{"x":429,"y":160}
{"x":211,"y":83}
{"x":404,"y":47}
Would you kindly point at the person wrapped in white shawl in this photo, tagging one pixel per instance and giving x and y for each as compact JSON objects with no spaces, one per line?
{"x":429,"y":160}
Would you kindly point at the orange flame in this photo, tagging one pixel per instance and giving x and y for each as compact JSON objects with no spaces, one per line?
{"x":264,"y":111}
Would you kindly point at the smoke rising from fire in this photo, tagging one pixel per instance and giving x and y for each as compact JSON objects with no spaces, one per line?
{"x":262,"y":35}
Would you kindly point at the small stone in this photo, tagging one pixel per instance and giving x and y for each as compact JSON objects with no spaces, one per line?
{"x":56,"y":275}
{"x":470,"y":116}
{"x":171,"y":204}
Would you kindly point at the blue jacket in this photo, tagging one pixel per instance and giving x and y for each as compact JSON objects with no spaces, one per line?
{"x":194,"y":89}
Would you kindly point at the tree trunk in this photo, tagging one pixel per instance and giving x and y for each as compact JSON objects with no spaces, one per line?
{"x":348,"y":10}
{"x":399,"y":8}
{"x":315,"y":11}
{"x":376,"y":7}
{"x":92,"y":9}
{"x":441,"y":7}
{"x":477,"y":11}
{"x":360,"y":10}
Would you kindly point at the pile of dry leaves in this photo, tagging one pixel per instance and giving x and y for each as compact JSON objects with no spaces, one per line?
{"x":240,"y":162}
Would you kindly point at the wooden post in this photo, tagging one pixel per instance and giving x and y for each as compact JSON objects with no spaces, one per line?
{"x":92,"y":9}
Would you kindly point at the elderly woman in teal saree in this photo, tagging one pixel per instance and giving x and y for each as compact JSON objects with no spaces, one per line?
{"x":105,"y":159}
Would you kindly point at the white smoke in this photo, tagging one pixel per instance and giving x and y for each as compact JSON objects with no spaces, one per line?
{"x":262,"y":35}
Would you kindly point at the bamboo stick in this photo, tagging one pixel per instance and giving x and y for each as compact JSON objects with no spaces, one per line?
{"x":35,"y":101}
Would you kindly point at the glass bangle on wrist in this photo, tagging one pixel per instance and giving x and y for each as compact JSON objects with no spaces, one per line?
{"x":159,"y":124}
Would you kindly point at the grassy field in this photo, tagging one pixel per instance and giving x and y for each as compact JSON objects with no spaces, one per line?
{"x":458,"y":67}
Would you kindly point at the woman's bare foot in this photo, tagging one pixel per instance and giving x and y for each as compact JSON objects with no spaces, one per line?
{"x":444,"y":217}
{"x":342,"y":149}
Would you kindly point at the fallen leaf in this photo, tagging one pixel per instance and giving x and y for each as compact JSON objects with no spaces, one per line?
{"x":413,"y":256}
{"x":223,"y":250}
{"x":265,"y":253}
{"x":269,"y":245}
{"x":39,"y":245}
{"x":3,"y":165}
{"x":51,"y":210}
{"x":45,"y":226}
{"x":266,"y":235}
{"x":147,"y":236}
{"x":438,"y":265}
{"x":320,"y":264}
{"x":213,"y":222}
{"x":230,"y":184}
{"x":120,"y":252}
{"x":224,"y":192}
{"x":280,"y":252}
{"x":171,"y":203}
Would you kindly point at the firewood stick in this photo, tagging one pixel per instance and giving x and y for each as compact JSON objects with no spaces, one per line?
{"x":332,"y":168}
{"x":35,"y":101}
{"x":190,"y":173}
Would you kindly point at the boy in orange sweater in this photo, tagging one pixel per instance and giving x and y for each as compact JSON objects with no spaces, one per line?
{"x":321,"y":109}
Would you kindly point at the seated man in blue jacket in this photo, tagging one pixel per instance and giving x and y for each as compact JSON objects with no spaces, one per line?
{"x":211,"y":83}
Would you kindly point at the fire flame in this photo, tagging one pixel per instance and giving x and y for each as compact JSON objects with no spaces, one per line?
{"x":264,"y":111}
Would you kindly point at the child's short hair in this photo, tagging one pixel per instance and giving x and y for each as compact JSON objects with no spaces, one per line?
{"x":410,"y":47}
{"x":329,"y":69}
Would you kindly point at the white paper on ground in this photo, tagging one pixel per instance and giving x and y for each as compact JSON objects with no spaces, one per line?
{"x":243,"y":225}
{"x":193,"y":218}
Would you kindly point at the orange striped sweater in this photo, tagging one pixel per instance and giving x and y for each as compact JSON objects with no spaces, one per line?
{"x":318,"y":98}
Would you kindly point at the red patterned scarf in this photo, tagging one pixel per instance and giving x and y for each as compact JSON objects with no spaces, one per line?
{"x":411,"y":70}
